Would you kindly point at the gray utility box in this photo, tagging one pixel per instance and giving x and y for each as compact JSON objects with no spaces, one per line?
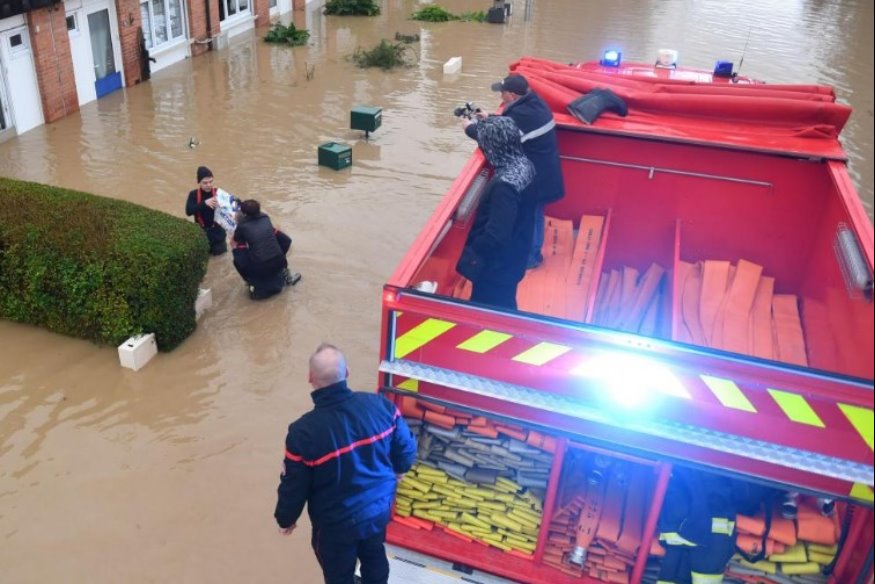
{"x":335,"y":155}
{"x":365,"y":118}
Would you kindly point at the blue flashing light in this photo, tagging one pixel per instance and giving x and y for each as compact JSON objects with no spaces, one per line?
{"x":723,"y":69}
{"x":611,"y":58}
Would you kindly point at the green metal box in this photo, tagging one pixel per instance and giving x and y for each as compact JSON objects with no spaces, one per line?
{"x":365,"y":118}
{"x":335,"y":155}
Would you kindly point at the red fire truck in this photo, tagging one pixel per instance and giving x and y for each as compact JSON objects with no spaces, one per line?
{"x":700,"y":336}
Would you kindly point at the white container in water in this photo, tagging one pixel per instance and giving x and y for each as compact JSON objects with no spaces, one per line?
{"x":203,"y":301}
{"x":137,"y":351}
{"x":453,"y":66}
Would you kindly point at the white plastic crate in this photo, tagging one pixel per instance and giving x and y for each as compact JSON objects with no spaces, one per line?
{"x":137,"y":351}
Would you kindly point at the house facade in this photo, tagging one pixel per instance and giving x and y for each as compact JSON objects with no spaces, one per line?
{"x":56,"y":56}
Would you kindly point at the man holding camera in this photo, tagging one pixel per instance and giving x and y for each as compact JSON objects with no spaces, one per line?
{"x":538,"y":136}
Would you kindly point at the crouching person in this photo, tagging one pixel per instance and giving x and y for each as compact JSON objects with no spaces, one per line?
{"x":260,"y":252}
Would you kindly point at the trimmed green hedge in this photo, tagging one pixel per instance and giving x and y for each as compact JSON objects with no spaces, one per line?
{"x":97,"y":268}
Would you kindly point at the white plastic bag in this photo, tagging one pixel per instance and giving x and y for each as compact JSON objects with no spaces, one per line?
{"x":226,"y":210}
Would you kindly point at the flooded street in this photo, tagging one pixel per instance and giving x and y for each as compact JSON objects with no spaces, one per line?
{"x":169,"y":474}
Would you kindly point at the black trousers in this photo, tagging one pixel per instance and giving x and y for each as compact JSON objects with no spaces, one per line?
{"x":216,"y":238}
{"x":337,"y":557}
{"x":502,"y":294}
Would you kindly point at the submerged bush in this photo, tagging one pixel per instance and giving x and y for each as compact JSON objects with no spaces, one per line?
{"x":352,"y":7}
{"x":97,"y":268}
{"x":407,"y":38}
{"x":280,"y":33}
{"x":478,"y":16}
{"x":385,"y":55}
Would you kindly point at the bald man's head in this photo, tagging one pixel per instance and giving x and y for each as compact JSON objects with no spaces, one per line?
{"x":327,"y":366}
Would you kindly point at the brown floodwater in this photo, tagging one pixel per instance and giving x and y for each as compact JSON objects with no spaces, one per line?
{"x":169,"y":474}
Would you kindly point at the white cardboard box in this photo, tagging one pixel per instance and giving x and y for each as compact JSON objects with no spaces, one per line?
{"x":203,"y":302}
{"x":136,"y":351}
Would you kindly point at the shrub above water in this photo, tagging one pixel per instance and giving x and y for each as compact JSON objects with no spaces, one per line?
{"x":97,"y":268}
{"x":279,"y":33}
{"x":385,"y":55}
{"x":436,"y":13}
{"x":433,"y":13}
{"x":352,"y":7}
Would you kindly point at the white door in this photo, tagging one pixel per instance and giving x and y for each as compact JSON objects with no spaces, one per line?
{"x":105,"y":53}
{"x":20,"y":91}
{"x":80,"y":49}
{"x":94,"y":47}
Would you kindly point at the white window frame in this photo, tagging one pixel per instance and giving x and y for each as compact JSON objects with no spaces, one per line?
{"x":239,"y":14}
{"x":151,"y":37}
{"x":75,"y":30}
{"x":24,"y":47}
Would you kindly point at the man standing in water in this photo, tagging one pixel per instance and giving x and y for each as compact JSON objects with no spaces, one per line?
{"x":202,"y":204}
{"x":342,"y":460}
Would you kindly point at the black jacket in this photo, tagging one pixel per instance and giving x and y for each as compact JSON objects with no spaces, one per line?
{"x":203,"y":215}
{"x":342,"y":459}
{"x":498,"y":245}
{"x":260,"y":236}
{"x":540,"y":145}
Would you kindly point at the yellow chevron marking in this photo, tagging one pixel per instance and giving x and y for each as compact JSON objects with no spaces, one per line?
{"x":423,"y":333}
{"x":728,"y":393}
{"x":862,"y":492}
{"x":409,"y":385}
{"x":862,"y":420}
{"x":796,"y":407}
{"x":483,"y":341}
{"x":541,"y":353}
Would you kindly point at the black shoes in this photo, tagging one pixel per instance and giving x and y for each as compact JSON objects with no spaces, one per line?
{"x":291,"y":278}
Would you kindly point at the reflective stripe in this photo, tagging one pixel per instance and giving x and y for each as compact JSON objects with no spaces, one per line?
{"x":409,"y":385}
{"x":699,"y":578}
{"x":541,"y":353}
{"x":483,"y":341}
{"x":861,"y":419}
{"x":796,"y":407}
{"x":674,"y":538}
{"x":538,"y":132}
{"x":340,"y":451}
{"x":728,"y":393}
{"x":722,"y":525}
{"x":421,"y":334}
{"x":862,"y":492}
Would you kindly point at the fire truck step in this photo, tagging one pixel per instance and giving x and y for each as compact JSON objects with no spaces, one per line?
{"x":408,"y":567}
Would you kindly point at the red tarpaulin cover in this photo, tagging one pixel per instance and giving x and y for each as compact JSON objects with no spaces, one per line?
{"x":688,"y":106}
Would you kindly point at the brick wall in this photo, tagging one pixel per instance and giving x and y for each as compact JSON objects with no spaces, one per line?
{"x":129,"y":21}
{"x":200,"y":27}
{"x":53,"y":61}
{"x":261,"y":11}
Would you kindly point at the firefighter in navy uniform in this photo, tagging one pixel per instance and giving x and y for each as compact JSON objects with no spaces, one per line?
{"x":697,"y":528}
{"x":343,"y":459}
{"x":202,"y":204}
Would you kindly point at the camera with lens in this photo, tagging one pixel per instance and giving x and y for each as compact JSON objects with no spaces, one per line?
{"x":466,"y":111}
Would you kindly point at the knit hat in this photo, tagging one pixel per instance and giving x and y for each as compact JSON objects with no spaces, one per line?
{"x":203,"y":172}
